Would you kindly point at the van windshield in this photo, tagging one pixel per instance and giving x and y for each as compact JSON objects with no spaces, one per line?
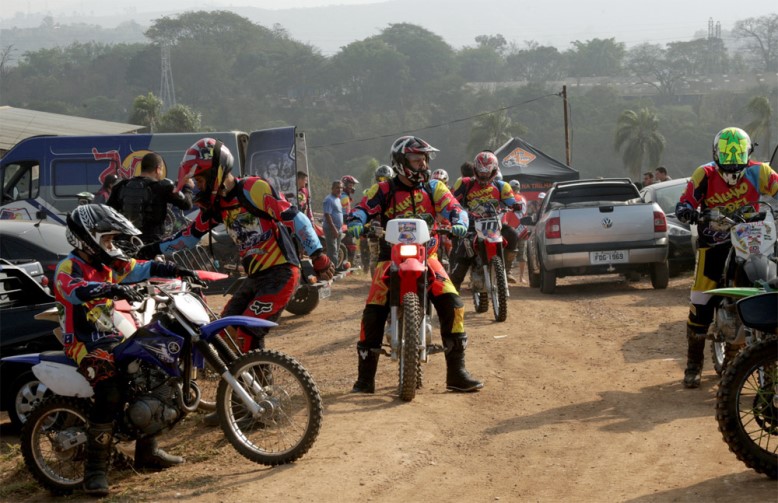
{"x":20,"y":181}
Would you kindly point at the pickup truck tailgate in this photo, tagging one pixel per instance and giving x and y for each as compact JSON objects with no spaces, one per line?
{"x":609,"y":223}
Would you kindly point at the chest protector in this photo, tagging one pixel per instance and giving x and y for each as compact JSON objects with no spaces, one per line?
{"x":140,"y":206}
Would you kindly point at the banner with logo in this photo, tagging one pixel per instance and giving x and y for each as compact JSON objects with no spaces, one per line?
{"x":271,"y":154}
{"x":536,"y":171}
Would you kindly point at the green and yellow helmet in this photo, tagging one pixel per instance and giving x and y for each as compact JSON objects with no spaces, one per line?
{"x":731,"y":149}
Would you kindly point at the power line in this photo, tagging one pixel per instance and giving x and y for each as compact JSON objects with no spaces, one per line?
{"x":433,"y":126}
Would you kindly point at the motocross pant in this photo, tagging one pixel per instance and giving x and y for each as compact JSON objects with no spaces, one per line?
{"x":461,"y":259}
{"x":263,"y":295}
{"x":444,"y":297}
{"x":99,"y":369}
{"x":351,"y":247}
{"x":710,"y":265}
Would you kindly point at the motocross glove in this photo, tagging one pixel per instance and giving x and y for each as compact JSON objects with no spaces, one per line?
{"x":686,"y":214}
{"x":459,"y":230}
{"x":355,"y":229}
{"x":322,"y":265}
{"x":125,"y":292}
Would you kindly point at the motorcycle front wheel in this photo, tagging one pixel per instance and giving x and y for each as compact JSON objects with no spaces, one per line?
{"x":747,"y":407}
{"x":410,"y":329}
{"x":499,"y":289}
{"x":53,"y":442}
{"x":290,"y":419}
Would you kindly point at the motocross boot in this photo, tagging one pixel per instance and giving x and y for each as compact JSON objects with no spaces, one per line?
{"x":510,"y":256}
{"x":368,"y":365}
{"x":695,"y":354}
{"x":457,"y":377}
{"x":98,"y":453}
{"x":148,"y":456}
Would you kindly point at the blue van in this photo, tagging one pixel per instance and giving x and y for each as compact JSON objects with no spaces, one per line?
{"x":41,"y":176}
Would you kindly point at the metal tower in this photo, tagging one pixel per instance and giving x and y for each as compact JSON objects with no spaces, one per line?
{"x":167,"y":91}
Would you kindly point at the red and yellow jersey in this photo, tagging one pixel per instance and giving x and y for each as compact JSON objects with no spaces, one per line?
{"x":472,"y":195}
{"x":347,"y":202}
{"x":707,"y":189}
{"x":85,"y":312}
{"x":256,"y":237}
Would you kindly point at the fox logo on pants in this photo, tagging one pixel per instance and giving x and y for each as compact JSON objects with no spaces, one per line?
{"x":258,"y":307}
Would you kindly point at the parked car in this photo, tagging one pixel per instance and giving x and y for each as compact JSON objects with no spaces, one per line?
{"x":25,"y":240}
{"x":21,"y":299}
{"x":31,"y":267}
{"x":683,"y":237}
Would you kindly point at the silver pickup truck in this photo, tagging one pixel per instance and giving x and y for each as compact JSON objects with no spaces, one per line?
{"x":587,"y":227}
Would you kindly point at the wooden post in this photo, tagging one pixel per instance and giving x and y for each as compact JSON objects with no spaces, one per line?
{"x":567,"y":127}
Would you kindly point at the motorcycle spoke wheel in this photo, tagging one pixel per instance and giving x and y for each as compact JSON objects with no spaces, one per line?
{"x":499,"y":289}
{"x":291,"y":418}
{"x":410,"y":329}
{"x":53,"y":443}
{"x":481,"y":302}
{"x":747,"y":407}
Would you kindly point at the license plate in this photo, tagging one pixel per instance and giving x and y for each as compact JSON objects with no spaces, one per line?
{"x":609,"y":257}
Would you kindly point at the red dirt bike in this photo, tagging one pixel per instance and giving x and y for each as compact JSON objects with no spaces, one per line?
{"x":487,"y":275}
{"x":409,"y":332}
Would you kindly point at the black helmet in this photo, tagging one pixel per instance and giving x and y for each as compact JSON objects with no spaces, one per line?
{"x":88,"y":223}
{"x":405,"y":145}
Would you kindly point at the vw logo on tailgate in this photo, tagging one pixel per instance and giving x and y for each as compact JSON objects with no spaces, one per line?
{"x":607,"y":223}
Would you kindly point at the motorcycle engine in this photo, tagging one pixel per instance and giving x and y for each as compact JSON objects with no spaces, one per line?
{"x":726,"y":325}
{"x":153,"y":404}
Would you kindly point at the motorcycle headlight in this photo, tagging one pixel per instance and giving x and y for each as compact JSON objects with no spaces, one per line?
{"x":408,"y":250}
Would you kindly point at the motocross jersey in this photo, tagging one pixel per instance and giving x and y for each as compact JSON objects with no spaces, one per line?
{"x":513,"y":218}
{"x":707,"y":189}
{"x":347,"y":202}
{"x":472,"y":195}
{"x":394,"y":199}
{"x":258,"y":239}
{"x":85,"y":313}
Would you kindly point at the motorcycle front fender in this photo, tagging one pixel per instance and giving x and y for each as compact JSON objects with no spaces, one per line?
{"x":217,"y":326}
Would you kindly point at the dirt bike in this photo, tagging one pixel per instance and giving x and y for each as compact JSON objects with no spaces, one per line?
{"x":268,"y":405}
{"x":409,"y":331}
{"x":487,"y":275}
{"x":751,"y":259}
{"x":747,"y":399}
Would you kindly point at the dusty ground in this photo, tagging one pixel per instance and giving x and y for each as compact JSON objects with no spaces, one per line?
{"x":582,"y":402}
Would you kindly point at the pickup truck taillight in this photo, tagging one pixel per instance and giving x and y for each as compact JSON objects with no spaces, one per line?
{"x":553,"y":229}
{"x":660,"y":222}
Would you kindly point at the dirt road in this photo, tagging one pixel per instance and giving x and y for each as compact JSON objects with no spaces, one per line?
{"x":582,"y":402}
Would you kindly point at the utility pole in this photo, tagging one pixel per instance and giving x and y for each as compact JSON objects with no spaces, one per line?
{"x":167,"y":92}
{"x":567,"y":127}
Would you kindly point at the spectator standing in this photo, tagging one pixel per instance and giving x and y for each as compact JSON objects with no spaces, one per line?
{"x":660,"y":174}
{"x":333,"y":221}
{"x":304,"y":195}
{"x":102,"y":195}
{"x":648,"y":178}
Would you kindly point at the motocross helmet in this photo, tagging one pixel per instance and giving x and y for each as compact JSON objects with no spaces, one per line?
{"x":486,"y":167}
{"x":85,"y":198}
{"x":348,"y":182}
{"x":208,"y":158}
{"x":731,"y":149}
{"x":406,"y":145}
{"x":88,"y":224}
{"x":440,"y":174}
{"x":383,"y":173}
{"x":515,"y":185}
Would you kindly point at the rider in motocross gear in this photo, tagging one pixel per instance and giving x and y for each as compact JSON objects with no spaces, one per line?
{"x":442,"y":175}
{"x":87,"y":282}
{"x":383,"y":173}
{"x":410,"y":194}
{"x":347,"y":201}
{"x":254,"y":215}
{"x":472,"y":193}
{"x":731,"y":180}
{"x":513,"y":219}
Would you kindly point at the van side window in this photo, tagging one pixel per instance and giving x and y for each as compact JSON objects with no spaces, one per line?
{"x":71,"y":176}
{"x":21,"y":181}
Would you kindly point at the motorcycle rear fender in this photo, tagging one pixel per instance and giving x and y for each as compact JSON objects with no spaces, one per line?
{"x":63,"y":379}
{"x":217,"y":326}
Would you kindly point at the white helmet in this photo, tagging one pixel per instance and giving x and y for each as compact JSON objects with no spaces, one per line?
{"x":515,"y":185}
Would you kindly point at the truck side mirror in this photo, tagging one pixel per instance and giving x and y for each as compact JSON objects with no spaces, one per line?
{"x":40,"y":215}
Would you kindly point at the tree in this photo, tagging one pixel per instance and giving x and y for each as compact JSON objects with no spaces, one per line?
{"x":637,"y":132}
{"x":145,"y":111}
{"x":760,"y":126}
{"x":652,"y":65}
{"x":180,"y":119}
{"x":596,"y":58}
{"x":491,"y":131}
{"x":761,"y":36}
{"x":536,"y":63}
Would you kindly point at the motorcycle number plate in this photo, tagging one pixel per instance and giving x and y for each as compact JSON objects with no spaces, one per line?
{"x":325,"y":291}
{"x":609,"y":257}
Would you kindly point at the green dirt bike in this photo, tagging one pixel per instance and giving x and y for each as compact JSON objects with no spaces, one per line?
{"x":747,"y":399}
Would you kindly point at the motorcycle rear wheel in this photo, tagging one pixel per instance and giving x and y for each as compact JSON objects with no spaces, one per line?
{"x":410,"y":329}
{"x":45,"y":440}
{"x":304,"y":300}
{"x":746,"y":407}
{"x":292,"y":416}
{"x":499,"y":289}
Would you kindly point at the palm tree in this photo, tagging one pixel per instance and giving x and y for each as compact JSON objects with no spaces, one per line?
{"x":146,"y":110}
{"x":491,"y":131}
{"x":638,"y":133}
{"x":760,"y":126}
